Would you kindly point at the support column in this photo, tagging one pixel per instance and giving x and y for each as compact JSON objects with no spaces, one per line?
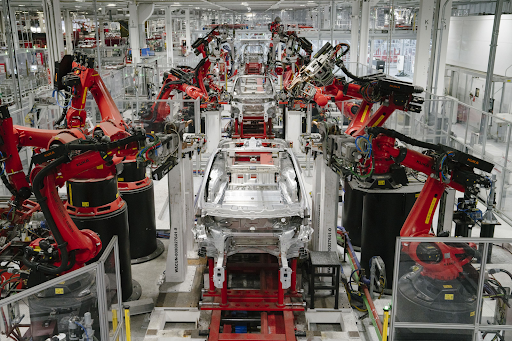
{"x":14,"y":28}
{"x":325,"y":206}
{"x":134,"y":33}
{"x":354,"y":36}
{"x":69,"y":33}
{"x":187,"y":30}
{"x":442,"y":46}
{"x":13,"y":65}
{"x":365,"y":32}
{"x":169,"y":32}
{"x":176,"y":265}
{"x":58,"y":28}
{"x":102,"y":32}
{"x":42,"y":23}
{"x":490,"y":72}
{"x":144,"y":11}
{"x":333,"y":20}
{"x":424,"y":33}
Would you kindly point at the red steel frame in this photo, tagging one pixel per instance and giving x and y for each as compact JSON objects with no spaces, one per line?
{"x":274,"y":304}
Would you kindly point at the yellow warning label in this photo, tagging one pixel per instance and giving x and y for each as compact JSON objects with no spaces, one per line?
{"x":99,"y":167}
{"x":59,"y":291}
{"x":472,"y":313}
{"x":85,"y":95}
{"x":364,"y":113}
{"x":70,"y":194}
{"x":447,"y":286}
{"x":416,"y":195}
{"x":448,"y":297}
{"x":379,"y":120}
{"x":382,"y":182}
{"x":430,"y":210}
{"x":85,"y":204}
{"x":120,"y":179}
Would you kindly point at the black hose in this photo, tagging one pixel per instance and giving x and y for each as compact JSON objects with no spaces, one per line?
{"x":354,"y":77}
{"x":406,"y":139}
{"x":67,"y":258}
{"x":8,"y":185}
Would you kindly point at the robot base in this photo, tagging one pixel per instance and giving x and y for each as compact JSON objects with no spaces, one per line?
{"x":422,"y":299}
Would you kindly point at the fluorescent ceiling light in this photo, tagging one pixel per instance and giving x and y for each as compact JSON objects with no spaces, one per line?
{"x":244,"y":4}
{"x":111,"y":5}
{"x":198,"y":8}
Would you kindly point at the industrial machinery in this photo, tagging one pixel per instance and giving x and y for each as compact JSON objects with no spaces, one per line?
{"x":190,"y":81}
{"x":253,"y":107}
{"x":296,"y":54}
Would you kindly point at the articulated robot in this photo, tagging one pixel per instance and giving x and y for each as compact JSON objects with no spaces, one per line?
{"x":317,"y":82}
{"x":369,"y":152}
{"x":292,"y":59}
{"x":68,"y":153}
{"x":190,"y":81}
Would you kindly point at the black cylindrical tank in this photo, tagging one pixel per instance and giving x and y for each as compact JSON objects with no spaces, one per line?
{"x":383,"y":215}
{"x":97,"y":206}
{"x":138,"y":192}
{"x":352,"y":217}
{"x":421,"y":299}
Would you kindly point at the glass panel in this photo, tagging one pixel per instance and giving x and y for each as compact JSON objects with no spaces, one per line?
{"x":438,"y":282}
{"x":496,"y":300}
{"x":111,"y":293}
{"x":69,"y":307}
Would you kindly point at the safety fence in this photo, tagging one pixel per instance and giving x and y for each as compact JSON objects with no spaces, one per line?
{"x":86,"y":302}
{"x":471,"y":302}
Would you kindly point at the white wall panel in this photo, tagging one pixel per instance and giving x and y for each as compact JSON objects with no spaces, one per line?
{"x":469,"y":39}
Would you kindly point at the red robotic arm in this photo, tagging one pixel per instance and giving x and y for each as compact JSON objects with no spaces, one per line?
{"x":445,"y":167}
{"x":316,"y":82}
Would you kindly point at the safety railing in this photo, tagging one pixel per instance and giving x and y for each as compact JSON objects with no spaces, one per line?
{"x":85,"y":302}
{"x":472,"y":305}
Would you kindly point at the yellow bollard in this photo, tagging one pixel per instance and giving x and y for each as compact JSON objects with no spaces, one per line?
{"x":127,"y":324}
{"x":114,"y":321}
{"x":385,"y":324}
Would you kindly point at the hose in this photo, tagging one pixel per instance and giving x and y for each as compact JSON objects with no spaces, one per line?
{"x":67,"y":258}
{"x":406,"y":139}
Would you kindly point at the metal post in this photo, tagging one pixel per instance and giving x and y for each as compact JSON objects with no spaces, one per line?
{"x":169,"y":31}
{"x":505,"y":170}
{"x":224,"y":290}
{"x":280,"y":292}
{"x":435,"y":25}
{"x":294,"y":276}
{"x":354,"y":35}
{"x":390,"y":34}
{"x":365,"y":32}
{"x":490,"y":72}
{"x":95,"y":9}
{"x":333,"y":16}
{"x":211,"y":284}
{"x":12,"y":52}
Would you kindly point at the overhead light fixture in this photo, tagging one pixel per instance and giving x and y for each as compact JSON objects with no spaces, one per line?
{"x":111,"y":5}
{"x":302,"y":5}
{"x":248,"y":9}
{"x":198,"y":8}
{"x":244,"y":4}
